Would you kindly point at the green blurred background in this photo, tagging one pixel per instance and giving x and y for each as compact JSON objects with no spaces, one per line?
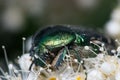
{"x":20,"y":18}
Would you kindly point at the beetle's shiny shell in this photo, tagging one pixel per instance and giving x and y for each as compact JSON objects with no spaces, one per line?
{"x":53,"y":37}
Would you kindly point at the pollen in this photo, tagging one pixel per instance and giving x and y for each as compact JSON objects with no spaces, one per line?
{"x":53,"y":78}
{"x":79,"y":78}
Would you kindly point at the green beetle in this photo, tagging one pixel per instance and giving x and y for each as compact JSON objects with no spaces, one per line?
{"x":48,"y":42}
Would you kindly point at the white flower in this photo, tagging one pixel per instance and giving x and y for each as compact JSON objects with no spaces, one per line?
{"x":101,"y":67}
{"x":25,"y":61}
{"x":116,"y":14}
{"x":113,"y":28}
{"x":108,"y":68}
{"x":95,"y":75}
{"x":117,"y":76}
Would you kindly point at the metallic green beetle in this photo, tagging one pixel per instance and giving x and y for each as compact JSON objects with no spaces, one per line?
{"x":48,"y":42}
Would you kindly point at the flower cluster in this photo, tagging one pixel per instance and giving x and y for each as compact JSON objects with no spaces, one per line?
{"x":100,"y":67}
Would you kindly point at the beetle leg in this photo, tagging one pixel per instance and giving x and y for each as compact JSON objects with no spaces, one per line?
{"x":59,"y":58}
{"x":31,"y":65}
{"x":77,"y":55}
{"x":52,"y":54}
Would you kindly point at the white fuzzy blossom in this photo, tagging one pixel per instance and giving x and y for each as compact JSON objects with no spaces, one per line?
{"x":112,"y":27}
{"x":95,"y":75}
{"x":108,"y":68}
{"x":25,"y":61}
{"x":100,"y":67}
{"x":117,"y":76}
